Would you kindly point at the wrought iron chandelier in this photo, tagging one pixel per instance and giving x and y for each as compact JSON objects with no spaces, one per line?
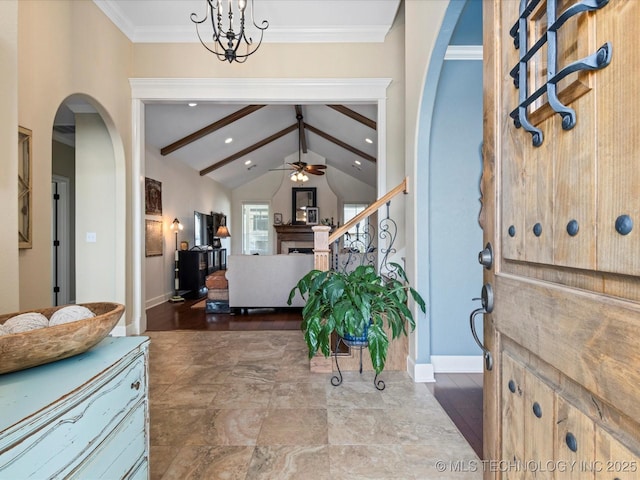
{"x":226,"y":43}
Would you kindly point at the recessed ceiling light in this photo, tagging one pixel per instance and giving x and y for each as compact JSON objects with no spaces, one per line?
{"x":358,"y":162}
{"x":247,"y":162}
{"x":228,"y":140}
{"x":192,"y":104}
{"x":368,"y":140}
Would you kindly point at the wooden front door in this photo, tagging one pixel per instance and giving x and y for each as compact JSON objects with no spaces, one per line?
{"x":561,"y":209}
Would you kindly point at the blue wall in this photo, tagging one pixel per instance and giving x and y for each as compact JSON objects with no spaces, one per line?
{"x":455,"y":236}
{"x":468,"y":29}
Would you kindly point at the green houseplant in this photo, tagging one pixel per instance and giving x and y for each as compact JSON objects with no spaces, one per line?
{"x":356,"y":303}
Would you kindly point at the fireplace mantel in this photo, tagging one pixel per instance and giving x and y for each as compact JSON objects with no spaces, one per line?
{"x":292,"y":233}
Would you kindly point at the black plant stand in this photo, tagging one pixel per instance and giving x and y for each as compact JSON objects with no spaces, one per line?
{"x":337,"y":379}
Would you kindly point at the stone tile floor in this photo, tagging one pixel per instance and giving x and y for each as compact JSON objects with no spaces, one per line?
{"x":244,"y":405}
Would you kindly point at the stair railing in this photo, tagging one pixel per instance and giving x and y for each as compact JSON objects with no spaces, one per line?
{"x":326,"y":243}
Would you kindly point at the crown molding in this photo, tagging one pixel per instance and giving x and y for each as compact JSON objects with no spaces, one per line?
{"x":187,"y":33}
{"x":113,"y":11}
{"x":463,"y":52}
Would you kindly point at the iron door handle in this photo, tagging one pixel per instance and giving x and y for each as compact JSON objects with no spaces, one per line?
{"x":488,"y":358}
{"x":487,"y":307}
{"x":486,"y":297}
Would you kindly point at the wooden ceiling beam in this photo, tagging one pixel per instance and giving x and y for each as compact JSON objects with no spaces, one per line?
{"x":249,"y":149}
{"x":223,"y":122}
{"x":355,"y":116}
{"x":340,"y":143}
{"x":302,"y":138}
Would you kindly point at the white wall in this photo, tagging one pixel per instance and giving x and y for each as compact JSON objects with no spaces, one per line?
{"x":349,"y":190}
{"x":95,"y":214}
{"x":183,"y":192}
{"x":325,"y":197}
{"x":275,"y":188}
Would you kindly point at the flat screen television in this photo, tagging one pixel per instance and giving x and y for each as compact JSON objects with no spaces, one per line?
{"x":205,"y":227}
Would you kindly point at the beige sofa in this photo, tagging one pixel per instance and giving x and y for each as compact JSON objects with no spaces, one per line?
{"x":265,"y":280}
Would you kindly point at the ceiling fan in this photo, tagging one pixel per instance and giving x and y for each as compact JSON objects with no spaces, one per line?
{"x":304,"y":167}
{"x":299,"y":169}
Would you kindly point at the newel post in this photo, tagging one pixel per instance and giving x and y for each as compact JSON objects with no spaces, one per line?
{"x":321,"y":247}
{"x":319,"y":363}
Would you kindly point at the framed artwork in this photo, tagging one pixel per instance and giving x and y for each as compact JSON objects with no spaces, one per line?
{"x":277,"y":219}
{"x":152,"y":197}
{"x":153,"y":238}
{"x":24,"y":187}
{"x":312,"y":215}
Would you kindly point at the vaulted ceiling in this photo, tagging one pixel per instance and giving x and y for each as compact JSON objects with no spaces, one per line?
{"x":265,"y":138}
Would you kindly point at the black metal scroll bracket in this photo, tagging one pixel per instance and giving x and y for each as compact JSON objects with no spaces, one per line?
{"x":336,"y":380}
{"x":596,"y":61}
{"x":523,"y":119}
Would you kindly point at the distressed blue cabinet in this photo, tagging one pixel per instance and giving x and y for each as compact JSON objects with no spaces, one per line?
{"x":82,"y":417}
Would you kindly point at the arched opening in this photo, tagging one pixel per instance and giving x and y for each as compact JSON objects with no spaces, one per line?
{"x":88,"y":204}
{"x":449,"y":166}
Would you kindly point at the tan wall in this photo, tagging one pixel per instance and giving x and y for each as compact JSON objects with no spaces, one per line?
{"x":68,"y":47}
{"x":9,"y":293}
{"x":65,"y":47}
{"x":423,"y":22}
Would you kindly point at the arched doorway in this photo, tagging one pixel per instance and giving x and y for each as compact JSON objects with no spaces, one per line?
{"x":449,"y":166}
{"x":88,"y":212}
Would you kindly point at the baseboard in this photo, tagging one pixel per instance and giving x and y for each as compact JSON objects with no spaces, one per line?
{"x":457,"y":363}
{"x":152,"y":302}
{"x":420,"y":372}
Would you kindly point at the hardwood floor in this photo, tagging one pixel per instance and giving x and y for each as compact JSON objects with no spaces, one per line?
{"x":459,"y":394}
{"x":180,"y":316}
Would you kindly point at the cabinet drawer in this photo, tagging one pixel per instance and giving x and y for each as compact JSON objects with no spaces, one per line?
{"x":54,"y":448}
{"x":120,"y":453}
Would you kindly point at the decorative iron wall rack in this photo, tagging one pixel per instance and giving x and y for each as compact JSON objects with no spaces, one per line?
{"x":600,"y":59}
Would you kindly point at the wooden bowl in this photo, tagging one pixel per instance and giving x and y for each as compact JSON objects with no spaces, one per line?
{"x":43,"y":345}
